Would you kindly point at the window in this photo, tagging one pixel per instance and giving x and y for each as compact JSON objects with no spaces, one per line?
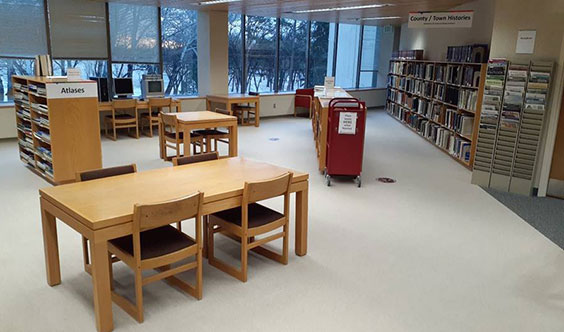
{"x":292,"y":54}
{"x":9,"y":67}
{"x":370,"y":57}
{"x":135,"y":71}
{"x":261,"y":53}
{"x":88,"y":68}
{"x":235,"y":35}
{"x":320,"y":52}
{"x":180,"y":53}
{"x":347,"y":55}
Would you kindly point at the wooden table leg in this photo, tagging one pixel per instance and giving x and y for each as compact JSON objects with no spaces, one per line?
{"x":186,"y":133}
{"x":51,"y":247}
{"x":257,"y":114}
{"x":301,"y":221}
{"x":102,"y":285}
{"x":233,"y":144}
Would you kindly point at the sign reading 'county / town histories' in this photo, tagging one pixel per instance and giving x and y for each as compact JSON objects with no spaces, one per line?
{"x":450,"y":19}
{"x":72,"y":90}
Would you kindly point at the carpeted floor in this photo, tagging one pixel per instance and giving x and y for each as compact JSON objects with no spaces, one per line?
{"x":429,"y":253}
{"x":545,"y":214}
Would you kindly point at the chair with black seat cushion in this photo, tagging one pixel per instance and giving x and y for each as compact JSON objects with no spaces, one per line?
{"x":171,"y":137}
{"x":195,"y":158}
{"x":121,"y":117}
{"x":214,"y":135}
{"x":250,"y":220}
{"x":156,"y":105}
{"x":99,"y":174}
{"x":156,"y":245}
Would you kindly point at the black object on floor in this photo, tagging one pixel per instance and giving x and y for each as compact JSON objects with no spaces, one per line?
{"x":545,"y":214}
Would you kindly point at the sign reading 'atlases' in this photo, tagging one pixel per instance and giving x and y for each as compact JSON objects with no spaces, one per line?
{"x":449,"y":19}
{"x":72,"y":90}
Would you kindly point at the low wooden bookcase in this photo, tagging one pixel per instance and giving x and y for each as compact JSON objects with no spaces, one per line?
{"x":58,"y":126}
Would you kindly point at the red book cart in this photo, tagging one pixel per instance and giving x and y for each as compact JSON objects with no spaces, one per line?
{"x":345,"y":138}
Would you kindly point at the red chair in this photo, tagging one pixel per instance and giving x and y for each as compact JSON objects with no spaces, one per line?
{"x":304,"y":99}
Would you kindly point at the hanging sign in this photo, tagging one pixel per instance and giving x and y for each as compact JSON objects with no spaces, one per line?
{"x":449,"y":19}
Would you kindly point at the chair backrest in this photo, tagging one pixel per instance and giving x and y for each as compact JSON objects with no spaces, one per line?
{"x":261,"y":190}
{"x":169,"y":120}
{"x":123,"y":104}
{"x":160,"y":102}
{"x":105,"y":172}
{"x":305,"y":92}
{"x":222,"y":111}
{"x":195,"y":158}
{"x":149,"y":216}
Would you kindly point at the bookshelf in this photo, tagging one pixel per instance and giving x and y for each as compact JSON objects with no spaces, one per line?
{"x":58,"y":126}
{"x":440,"y":101}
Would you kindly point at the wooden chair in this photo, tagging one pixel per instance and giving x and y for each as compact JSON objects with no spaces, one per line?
{"x":155,"y":245}
{"x":152,"y":118}
{"x":250,"y":220}
{"x":304,"y":99}
{"x":99,"y":174}
{"x":171,"y":137}
{"x":195,"y":159}
{"x":121,"y":118}
{"x":213,"y":135}
{"x":244,"y":112}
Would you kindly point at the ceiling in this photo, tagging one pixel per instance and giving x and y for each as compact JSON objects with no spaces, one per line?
{"x":284,"y":8}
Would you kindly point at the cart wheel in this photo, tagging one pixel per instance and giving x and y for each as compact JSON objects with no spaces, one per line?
{"x":328,"y":180}
{"x":358,"y":181}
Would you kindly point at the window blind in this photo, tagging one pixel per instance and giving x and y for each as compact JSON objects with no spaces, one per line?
{"x":22,"y":23}
{"x":78,"y":29}
{"x":134,"y":33}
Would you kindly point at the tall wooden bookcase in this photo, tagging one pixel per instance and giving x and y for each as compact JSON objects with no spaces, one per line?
{"x":416,"y":83}
{"x":58,"y":126}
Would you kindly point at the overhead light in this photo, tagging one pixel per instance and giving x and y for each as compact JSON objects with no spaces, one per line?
{"x":215,"y":2}
{"x":379,"y":18}
{"x":336,"y":9}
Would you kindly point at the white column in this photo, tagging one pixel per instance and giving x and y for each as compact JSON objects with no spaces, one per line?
{"x":212,"y":52}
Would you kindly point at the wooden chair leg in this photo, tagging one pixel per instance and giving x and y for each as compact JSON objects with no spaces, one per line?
{"x":114,"y":128}
{"x":111,"y":263}
{"x":139,"y":295}
{"x":244,"y":256}
{"x":285,"y":244}
{"x":199,"y":275}
{"x":179,"y":226}
{"x":150,"y":127}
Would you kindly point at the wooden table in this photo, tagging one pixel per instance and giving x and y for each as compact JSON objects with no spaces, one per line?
{"x":320,"y":119}
{"x":233,"y":99}
{"x":102,"y":210}
{"x":189,"y":121}
{"x":105,"y":106}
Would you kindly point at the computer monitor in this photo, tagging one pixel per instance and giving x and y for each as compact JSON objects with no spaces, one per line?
{"x":152,"y":86}
{"x":123,"y":87}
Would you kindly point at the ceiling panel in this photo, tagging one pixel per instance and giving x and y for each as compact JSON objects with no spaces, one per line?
{"x":285,"y":8}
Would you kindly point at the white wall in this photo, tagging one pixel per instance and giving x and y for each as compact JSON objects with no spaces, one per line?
{"x":435,"y":41}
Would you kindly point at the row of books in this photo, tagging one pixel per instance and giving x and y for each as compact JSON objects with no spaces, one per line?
{"x":407,"y":55}
{"x":43,"y":136}
{"x":41,"y":121}
{"x":459,"y":122}
{"x":411,"y":85}
{"x":44,"y":153}
{"x":513,"y":96}
{"x":40,"y":108}
{"x":468,"y":99}
{"x":46,"y":167}
{"x":476,"y":53}
{"x":24,"y":127}
{"x":442,"y":137}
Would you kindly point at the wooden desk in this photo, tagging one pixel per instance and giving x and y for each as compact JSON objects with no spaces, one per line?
{"x":235,"y":98}
{"x":141,"y":104}
{"x":189,"y":121}
{"x":319,"y":121}
{"x":102,"y":210}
